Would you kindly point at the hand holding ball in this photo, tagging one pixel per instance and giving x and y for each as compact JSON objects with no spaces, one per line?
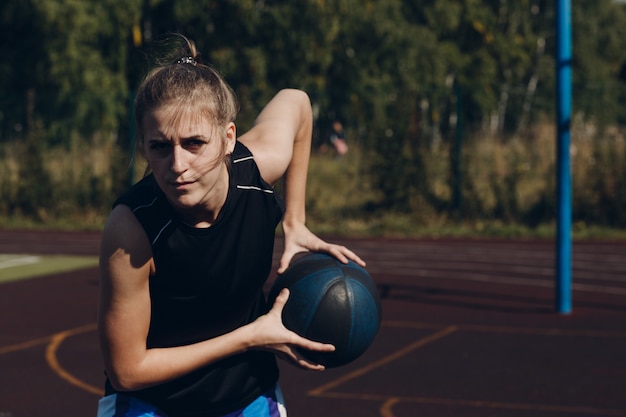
{"x":330,"y":302}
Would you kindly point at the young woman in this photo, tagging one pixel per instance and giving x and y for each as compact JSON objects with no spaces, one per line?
{"x":184,"y":326}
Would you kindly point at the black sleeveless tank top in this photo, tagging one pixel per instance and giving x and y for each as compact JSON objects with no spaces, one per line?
{"x":209,"y":282}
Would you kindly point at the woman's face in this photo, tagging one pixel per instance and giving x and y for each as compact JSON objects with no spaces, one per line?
{"x":186,"y":153}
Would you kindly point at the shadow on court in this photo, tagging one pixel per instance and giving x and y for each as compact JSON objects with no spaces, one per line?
{"x":469,"y":329}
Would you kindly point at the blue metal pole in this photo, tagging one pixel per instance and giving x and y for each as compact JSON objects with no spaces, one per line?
{"x":564,"y":176}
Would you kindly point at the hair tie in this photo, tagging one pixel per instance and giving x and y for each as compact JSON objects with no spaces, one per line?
{"x":187,"y":60}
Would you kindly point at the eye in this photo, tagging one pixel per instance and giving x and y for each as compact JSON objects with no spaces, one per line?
{"x":160,"y":147}
{"x":193,"y":144}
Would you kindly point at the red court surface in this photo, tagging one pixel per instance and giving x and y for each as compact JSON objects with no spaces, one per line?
{"x":469,"y":329}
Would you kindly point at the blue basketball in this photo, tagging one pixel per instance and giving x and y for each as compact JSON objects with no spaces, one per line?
{"x":330,"y":302}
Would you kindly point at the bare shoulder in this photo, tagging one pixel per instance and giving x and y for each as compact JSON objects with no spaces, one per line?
{"x":124,"y":244}
{"x":271,"y":139}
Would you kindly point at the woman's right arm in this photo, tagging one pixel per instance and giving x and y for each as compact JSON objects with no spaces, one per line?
{"x":124,"y":303}
{"x":124,"y":318}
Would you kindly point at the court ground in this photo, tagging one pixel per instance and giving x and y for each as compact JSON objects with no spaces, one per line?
{"x":469,"y":329}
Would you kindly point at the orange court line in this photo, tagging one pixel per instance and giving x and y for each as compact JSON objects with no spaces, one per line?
{"x":56,"y":367}
{"x":44,"y":340}
{"x":25,"y":345}
{"x":54,"y":341}
{"x":386,"y":410}
{"x":390,"y":358}
{"x":388,"y":402}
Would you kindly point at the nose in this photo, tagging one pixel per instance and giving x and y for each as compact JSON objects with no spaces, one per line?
{"x":179,"y":163}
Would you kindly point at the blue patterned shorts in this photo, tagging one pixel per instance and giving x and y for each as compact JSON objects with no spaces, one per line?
{"x":270,"y":404}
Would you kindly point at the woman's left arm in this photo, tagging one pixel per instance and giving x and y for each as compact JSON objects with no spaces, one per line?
{"x":281,"y":144}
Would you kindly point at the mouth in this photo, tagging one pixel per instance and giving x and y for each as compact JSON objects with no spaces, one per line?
{"x":181,"y":185}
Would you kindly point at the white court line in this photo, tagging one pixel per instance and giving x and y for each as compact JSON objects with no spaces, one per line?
{"x":9,"y":261}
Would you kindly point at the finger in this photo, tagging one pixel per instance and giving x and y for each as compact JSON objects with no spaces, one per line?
{"x":281,"y":300}
{"x":310,"y":365}
{"x":294,"y":357}
{"x":352,"y":256}
{"x":301,"y":362}
{"x":344,"y":255}
{"x":308,"y":344}
{"x":285,"y":260}
{"x":355,"y":258}
{"x":284,"y":263}
{"x":305,"y":363}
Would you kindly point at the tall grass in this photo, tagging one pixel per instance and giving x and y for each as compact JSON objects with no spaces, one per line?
{"x":507,"y":188}
{"x":74,"y":189}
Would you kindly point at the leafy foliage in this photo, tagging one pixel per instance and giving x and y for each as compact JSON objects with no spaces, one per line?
{"x":405,"y":77}
{"x":72,"y":56}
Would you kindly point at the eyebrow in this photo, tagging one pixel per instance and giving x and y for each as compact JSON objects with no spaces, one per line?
{"x":164,"y":138}
{"x":195,"y":137}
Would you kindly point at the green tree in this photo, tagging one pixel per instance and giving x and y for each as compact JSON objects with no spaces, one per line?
{"x":70,"y":57}
{"x":21,"y":48}
{"x":599,"y":30}
{"x":85,"y":62}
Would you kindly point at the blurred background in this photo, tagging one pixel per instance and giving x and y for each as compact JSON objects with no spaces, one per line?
{"x":448,"y":107}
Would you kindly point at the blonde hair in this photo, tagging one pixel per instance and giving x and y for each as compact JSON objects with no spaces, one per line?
{"x":186,"y":83}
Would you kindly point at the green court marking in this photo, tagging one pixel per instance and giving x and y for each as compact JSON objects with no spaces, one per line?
{"x":15,"y":267}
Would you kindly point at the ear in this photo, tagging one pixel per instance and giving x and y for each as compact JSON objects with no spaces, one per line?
{"x":230,"y":137}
